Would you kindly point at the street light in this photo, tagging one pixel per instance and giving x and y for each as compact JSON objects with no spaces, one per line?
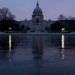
{"x":62,"y":43}
{"x":10,"y":45}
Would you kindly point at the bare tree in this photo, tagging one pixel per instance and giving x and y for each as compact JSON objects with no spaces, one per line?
{"x":6,"y":14}
{"x":0,"y":14}
{"x":61,"y":17}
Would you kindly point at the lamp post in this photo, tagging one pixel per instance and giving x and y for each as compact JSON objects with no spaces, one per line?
{"x":10,"y":45}
{"x":63,"y":39}
{"x":62,"y":43}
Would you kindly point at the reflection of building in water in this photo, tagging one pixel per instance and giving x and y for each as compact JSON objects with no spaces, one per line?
{"x":37,"y":47}
{"x":37,"y":23}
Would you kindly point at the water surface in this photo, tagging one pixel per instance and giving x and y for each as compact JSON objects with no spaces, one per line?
{"x":37,"y":54}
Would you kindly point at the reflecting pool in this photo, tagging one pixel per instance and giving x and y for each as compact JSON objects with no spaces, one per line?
{"x":37,"y":54}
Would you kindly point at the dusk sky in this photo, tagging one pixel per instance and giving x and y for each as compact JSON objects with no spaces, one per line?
{"x":23,"y":9}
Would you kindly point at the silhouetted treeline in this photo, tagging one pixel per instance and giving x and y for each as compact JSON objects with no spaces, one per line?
{"x":7,"y":19}
{"x":56,"y":26}
{"x":69,"y":26}
{"x":15,"y":26}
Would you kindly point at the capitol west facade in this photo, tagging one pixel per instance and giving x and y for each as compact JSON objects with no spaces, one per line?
{"x":37,"y":23}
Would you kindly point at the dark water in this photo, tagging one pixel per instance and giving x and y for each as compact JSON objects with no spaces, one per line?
{"x":37,"y":54}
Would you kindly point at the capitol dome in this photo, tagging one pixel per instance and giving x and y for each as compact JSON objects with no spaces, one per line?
{"x":37,"y":13}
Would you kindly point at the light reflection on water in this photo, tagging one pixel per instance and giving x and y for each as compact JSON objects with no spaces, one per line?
{"x":37,"y":55}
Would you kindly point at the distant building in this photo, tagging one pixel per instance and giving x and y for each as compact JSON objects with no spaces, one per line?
{"x":37,"y":23}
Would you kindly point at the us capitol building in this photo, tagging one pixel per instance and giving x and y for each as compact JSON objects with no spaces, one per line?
{"x":37,"y":23}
